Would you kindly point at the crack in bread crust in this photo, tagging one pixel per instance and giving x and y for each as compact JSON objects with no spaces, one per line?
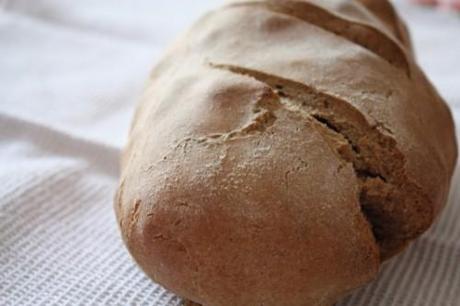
{"x":264,"y":117}
{"x":354,"y":31}
{"x":396,"y":207}
{"x":386,"y":12}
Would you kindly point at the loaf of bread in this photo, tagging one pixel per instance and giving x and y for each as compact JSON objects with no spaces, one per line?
{"x":281,"y":152}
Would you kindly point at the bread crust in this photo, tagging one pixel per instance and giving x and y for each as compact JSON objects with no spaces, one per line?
{"x":278,"y":157}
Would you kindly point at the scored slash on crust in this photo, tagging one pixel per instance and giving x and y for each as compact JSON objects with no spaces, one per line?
{"x":397,"y":209}
{"x":364,"y":35}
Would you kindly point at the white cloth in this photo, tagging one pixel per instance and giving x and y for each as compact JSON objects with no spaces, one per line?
{"x":70,"y":73}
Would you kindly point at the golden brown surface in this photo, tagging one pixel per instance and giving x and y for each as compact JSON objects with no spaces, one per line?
{"x":281,"y":151}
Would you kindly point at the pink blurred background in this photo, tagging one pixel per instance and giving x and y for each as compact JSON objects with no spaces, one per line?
{"x":444,"y":4}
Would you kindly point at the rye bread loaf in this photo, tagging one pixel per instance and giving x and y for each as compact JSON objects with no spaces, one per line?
{"x":281,"y":151}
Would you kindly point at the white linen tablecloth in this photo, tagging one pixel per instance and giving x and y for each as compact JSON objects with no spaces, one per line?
{"x":70,"y":73}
